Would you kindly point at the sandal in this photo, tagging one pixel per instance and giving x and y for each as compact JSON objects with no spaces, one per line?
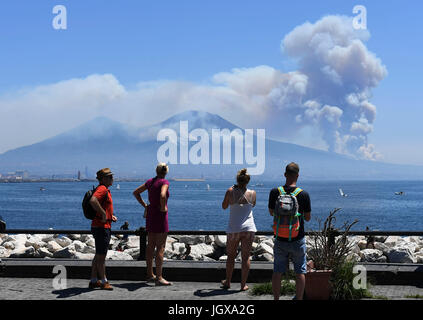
{"x":162,"y":282}
{"x":151,"y":279}
{"x":245,"y":288}
{"x":224,"y":285}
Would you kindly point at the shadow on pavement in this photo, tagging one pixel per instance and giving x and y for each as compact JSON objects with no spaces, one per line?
{"x":214,"y":292}
{"x":70,"y":292}
{"x":132,"y":286}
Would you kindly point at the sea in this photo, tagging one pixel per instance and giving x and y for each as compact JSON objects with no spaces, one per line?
{"x":196,"y":205}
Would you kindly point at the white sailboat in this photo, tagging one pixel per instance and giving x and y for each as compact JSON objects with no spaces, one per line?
{"x":342,"y":193}
{"x":118,"y":187}
{"x":208,"y":187}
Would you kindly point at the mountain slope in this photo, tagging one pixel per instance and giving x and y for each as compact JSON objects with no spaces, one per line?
{"x":132,"y":152}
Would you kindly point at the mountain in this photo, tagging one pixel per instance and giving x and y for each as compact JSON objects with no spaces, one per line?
{"x":132,"y":152}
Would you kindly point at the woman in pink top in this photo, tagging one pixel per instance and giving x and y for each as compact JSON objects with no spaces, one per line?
{"x":157,"y":225}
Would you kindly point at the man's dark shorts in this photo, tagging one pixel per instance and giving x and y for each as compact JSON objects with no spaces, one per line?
{"x":102,"y":239}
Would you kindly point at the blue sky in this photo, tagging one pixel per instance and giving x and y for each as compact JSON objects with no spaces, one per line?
{"x":191,"y":41}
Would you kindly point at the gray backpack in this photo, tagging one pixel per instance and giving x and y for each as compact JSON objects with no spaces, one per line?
{"x":286,"y":223}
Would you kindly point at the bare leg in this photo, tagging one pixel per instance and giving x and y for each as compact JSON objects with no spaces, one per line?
{"x":300,"y":285}
{"x":94,"y":272}
{"x":101,"y":265}
{"x":150,"y":254}
{"x":276,"y":285}
{"x":246,"y":244}
{"x":161,"y":244}
{"x":231,"y":249}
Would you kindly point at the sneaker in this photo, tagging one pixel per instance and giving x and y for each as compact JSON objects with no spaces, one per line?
{"x":106,"y":286}
{"x":94,"y":285}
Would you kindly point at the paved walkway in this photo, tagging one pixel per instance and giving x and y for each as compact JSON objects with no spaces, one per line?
{"x":77,"y":289}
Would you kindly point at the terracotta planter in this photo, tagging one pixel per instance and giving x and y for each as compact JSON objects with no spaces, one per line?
{"x":318,"y":286}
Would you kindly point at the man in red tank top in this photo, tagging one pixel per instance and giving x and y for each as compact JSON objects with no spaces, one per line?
{"x":102,"y":203}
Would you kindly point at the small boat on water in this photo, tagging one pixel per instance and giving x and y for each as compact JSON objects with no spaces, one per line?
{"x":342,"y":193}
{"x":400,"y":193}
{"x":208,"y":187}
{"x":42,"y":189}
{"x":118,"y":187}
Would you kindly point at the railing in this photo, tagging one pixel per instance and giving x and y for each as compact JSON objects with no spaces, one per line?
{"x":141,"y":232}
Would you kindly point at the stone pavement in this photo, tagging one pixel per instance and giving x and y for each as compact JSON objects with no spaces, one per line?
{"x":77,"y":289}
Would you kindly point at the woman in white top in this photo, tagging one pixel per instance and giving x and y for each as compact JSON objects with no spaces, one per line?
{"x":241,"y":227}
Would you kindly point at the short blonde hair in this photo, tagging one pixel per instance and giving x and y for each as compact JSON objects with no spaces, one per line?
{"x":162,"y":168}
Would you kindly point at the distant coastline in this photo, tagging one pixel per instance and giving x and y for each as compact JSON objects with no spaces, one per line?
{"x":65,"y":180}
{"x":188,"y":179}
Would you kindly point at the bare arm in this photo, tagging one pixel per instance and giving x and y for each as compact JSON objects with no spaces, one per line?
{"x":254,"y":198}
{"x":163,"y":192}
{"x":137,"y":194}
{"x":271,"y":211}
{"x":307,"y":216}
{"x":98,"y":208}
{"x":226,"y":200}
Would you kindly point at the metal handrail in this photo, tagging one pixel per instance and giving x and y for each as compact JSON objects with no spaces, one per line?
{"x":142,"y":233}
{"x":208,"y":232}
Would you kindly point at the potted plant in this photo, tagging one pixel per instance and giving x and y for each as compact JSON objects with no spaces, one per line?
{"x":328,"y":250}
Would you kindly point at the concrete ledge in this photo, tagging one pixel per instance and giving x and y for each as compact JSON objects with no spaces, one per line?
{"x":135,"y":270}
{"x":194,"y":271}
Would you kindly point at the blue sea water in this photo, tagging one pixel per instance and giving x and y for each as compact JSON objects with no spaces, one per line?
{"x":193,"y":207}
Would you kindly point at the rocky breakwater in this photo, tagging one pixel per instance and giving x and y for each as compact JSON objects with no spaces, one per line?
{"x":392,"y":249}
{"x":199,"y":248}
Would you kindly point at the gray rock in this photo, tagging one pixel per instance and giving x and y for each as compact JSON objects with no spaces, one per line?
{"x":178,"y":248}
{"x":84,"y":256}
{"x":382,"y":247}
{"x":401,"y":255}
{"x":53,"y":246}
{"x":4,"y":253}
{"x":220,"y":241}
{"x":198,"y":251}
{"x":65,"y":253}
{"x":90,"y":242}
{"x":133,"y":242}
{"x":88,"y":249}
{"x":392,"y":241}
{"x":372,"y":255}
{"x":192,"y":240}
{"x":209,"y":239}
{"x":22,"y":252}
{"x":9,"y":245}
{"x":116,"y":255}
{"x":133,"y":252}
{"x":263,"y":248}
{"x":35,"y":242}
{"x":43,"y":253}
{"x":47,"y":238}
{"x":264,"y":257}
{"x":64,"y":241}
{"x":74,"y":236}
{"x":79,"y":246}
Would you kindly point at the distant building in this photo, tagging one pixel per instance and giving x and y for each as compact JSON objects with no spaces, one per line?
{"x":22,"y":174}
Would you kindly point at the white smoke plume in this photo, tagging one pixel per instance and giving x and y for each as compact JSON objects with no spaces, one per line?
{"x":329,"y":92}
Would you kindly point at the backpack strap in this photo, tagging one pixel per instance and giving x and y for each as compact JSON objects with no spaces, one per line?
{"x":296,"y":192}
{"x":281,"y":191}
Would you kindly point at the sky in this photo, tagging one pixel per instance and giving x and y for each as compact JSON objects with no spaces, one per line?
{"x":295,"y":68}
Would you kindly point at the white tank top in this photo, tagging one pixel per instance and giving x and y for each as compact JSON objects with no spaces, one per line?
{"x":241,"y":214}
